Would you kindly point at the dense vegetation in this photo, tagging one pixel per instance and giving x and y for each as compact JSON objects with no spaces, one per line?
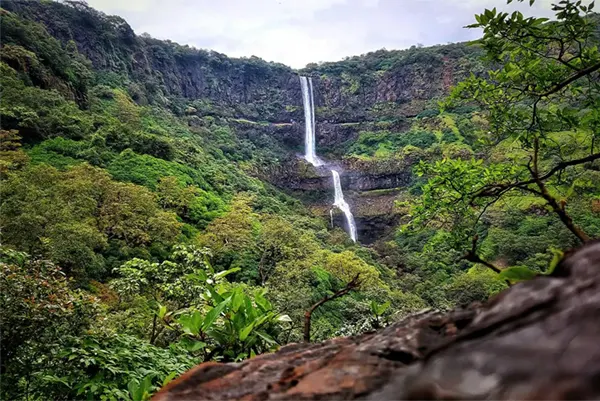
{"x":137,"y":242}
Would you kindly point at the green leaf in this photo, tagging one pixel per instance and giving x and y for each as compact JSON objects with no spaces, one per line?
{"x":249,"y":309}
{"x":162,"y":311}
{"x":197,"y":275}
{"x":556,"y":259}
{"x":284,"y":318}
{"x":191,"y":323}
{"x":168,"y":379}
{"x":246,"y":331}
{"x":192,"y":345}
{"x":136,"y":390}
{"x":226,"y":272}
{"x":266,"y":337}
{"x":237,"y":300}
{"x":262,"y":302}
{"x":214,"y":294}
{"x":382,"y":308}
{"x":238,"y":319}
{"x":214,"y":313}
{"x":517,"y":273}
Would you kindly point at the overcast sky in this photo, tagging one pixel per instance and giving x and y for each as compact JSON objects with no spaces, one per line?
{"x":297,"y":32}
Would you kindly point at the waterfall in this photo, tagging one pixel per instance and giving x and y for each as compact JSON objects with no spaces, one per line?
{"x":310,"y":153}
{"x":341,"y":204}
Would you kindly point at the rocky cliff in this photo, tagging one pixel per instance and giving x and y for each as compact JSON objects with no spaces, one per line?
{"x":352,"y":90}
{"x":261,"y":98}
{"x":536,"y":340}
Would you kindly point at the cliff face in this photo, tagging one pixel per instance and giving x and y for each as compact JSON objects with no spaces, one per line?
{"x":162,"y":69}
{"x":350,"y":96}
{"x":400,"y":81}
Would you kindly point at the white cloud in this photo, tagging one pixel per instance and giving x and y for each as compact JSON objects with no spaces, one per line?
{"x":296,"y":32}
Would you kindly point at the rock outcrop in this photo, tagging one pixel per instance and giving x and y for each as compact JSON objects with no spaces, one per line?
{"x":536,"y":340}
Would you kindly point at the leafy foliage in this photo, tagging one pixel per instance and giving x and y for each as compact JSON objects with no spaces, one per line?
{"x":537,"y":100}
{"x":77,"y":217}
{"x":173,"y":252}
{"x":38,"y":309}
{"x":108,"y":367}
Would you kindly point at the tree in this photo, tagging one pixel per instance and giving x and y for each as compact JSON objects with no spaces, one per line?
{"x":74,"y":216}
{"x":542,"y":102}
{"x":278,"y":241}
{"x":188,"y":201}
{"x":232,"y":234}
{"x":38,"y":309}
{"x":130,"y":213}
{"x":345,"y":266}
{"x":11,"y":155}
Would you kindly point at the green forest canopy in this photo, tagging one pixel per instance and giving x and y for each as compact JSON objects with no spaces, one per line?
{"x":136,"y":243}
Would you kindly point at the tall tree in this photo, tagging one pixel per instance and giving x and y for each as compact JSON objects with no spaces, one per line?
{"x":541,"y":98}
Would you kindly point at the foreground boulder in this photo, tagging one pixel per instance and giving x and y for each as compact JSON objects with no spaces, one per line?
{"x":537,"y":340}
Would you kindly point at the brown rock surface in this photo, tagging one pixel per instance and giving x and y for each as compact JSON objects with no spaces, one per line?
{"x":537,"y":340}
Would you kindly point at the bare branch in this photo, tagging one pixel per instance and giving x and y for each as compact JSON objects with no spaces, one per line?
{"x":354,"y":283}
{"x":472,"y":256}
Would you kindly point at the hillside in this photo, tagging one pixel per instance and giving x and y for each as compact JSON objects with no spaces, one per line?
{"x":155,"y":212}
{"x":261,"y":102}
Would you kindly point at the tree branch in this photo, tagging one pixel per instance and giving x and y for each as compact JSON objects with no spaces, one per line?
{"x":494,"y":190}
{"x":472,"y":256}
{"x":571,"y":79}
{"x":308,"y":314}
{"x":559,"y":209}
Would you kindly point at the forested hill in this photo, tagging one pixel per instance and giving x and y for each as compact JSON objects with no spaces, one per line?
{"x":155,"y":212}
{"x":248,"y":87}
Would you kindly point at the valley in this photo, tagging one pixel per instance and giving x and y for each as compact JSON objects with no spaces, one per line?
{"x":163,"y":206}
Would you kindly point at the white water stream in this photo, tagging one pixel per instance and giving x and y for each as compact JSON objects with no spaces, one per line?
{"x":341,"y":204}
{"x":310,"y":153}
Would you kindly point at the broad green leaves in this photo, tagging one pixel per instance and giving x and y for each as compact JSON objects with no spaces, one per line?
{"x":140,"y":391}
{"x":191,"y":323}
{"x":214,"y":313}
{"x":379,"y":309}
{"x":517,"y":273}
{"x":236,"y":324}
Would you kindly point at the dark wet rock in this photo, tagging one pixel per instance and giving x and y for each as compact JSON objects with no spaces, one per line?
{"x":296,"y":174}
{"x":536,"y":340}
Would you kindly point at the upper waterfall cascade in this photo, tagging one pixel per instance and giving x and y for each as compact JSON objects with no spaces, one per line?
{"x":310,"y":153}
